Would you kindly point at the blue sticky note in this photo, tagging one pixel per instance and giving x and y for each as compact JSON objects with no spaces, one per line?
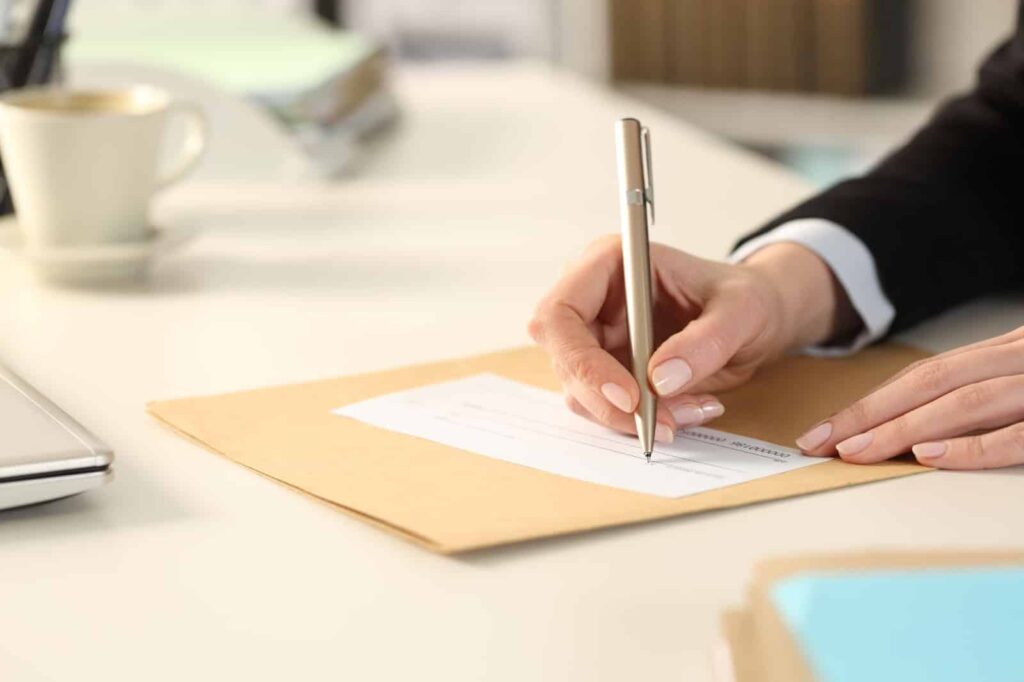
{"x":908,"y":626}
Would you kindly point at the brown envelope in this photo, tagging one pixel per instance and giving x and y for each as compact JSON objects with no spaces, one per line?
{"x":450,"y":500}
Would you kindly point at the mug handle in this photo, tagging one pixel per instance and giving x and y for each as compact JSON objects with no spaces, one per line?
{"x":195,"y":142}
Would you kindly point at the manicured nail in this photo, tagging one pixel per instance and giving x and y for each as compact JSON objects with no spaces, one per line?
{"x":671,"y":375}
{"x":930,"y":450}
{"x":617,"y":396}
{"x":855,"y":444}
{"x":712,"y":410}
{"x":687,"y":415}
{"x":663,"y":434}
{"x":815,"y":437}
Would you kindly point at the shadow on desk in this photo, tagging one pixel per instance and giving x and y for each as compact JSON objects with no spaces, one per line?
{"x":337,"y":272}
{"x":186,"y":274}
{"x":133,"y":498}
{"x":899,"y":496}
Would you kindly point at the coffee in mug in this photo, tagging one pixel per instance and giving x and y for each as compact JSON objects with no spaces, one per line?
{"x":83,"y":165}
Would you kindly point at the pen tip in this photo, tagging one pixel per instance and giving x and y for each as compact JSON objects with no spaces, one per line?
{"x":648,"y":456}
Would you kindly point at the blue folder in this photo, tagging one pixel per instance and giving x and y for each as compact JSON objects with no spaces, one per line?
{"x":947,"y":625}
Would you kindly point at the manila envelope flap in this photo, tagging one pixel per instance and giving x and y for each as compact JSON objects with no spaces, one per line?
{"x":735,"y":659}
{"x":451,"y":500}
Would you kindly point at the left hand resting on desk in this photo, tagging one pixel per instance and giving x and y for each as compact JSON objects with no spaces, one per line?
{"x":963,"y":409}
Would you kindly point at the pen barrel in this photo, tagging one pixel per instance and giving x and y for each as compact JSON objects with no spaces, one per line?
{"x":636,"y":266}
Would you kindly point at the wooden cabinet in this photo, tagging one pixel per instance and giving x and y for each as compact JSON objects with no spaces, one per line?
{"x":848,"y":47}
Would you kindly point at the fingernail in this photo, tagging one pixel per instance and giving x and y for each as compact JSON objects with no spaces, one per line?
{"x":930,"y":450}
{"x":671,"y":375}
{"x":687,"y":415}
{"x":617,"y":396}
{"x":712,"y":410}
{"x":855,"y":444}
{"x":815,"y":437}
{"x":663,"y":434}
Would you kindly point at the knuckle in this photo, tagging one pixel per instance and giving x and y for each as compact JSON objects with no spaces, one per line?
{"x":717,"y":348}
{"x":931,"y":377}
{"x":1015,"y":438}
{"x":604,"y":244}
{"x":899,"y":430}
{"x":536,"y":327}
{"x":561,"y":372}
{"x":973,"y":449}
{"x":909,"y":369}
{"x":973,"y":396}
{"x":579,"y":363}
{"x":753,"y":300}
{"x":574,"y":405}
{"x":916,"y":364}
{"x":856,"y":417}
{"x":604,"y":414}
{"x":742,"y":287}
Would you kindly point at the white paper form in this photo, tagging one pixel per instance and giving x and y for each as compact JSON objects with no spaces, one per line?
{"x":507,"y":420}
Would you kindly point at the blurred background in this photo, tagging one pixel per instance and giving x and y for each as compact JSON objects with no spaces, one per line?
{"x":824,"y":86}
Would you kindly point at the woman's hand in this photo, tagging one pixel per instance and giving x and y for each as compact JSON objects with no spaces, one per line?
{"x":714,"y":325}
{"x":960,"y":410}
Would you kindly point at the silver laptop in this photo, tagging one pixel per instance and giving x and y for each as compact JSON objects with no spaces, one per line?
{"x":44,"y":453}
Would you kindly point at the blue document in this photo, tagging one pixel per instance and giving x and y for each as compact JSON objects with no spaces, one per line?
{"x":945,"y":625}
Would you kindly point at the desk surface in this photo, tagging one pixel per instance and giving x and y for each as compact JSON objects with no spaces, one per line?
{"x":190,"y":567}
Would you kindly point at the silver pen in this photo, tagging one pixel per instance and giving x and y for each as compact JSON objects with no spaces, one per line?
{"x":636,"y":205}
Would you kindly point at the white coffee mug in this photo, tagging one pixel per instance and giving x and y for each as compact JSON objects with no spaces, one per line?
{"x":82,"y":165}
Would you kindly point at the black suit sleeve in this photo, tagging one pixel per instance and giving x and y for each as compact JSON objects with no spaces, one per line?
{"x":943,"y":215}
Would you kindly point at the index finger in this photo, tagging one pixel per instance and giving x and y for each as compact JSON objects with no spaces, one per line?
{"x":920,"y":385}
{"x":564,"y":325}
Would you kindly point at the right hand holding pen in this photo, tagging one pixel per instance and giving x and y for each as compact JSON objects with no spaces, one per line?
{"x":714,"y":325}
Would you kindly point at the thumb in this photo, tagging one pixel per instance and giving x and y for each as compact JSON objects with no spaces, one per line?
{"x":702,"y":348}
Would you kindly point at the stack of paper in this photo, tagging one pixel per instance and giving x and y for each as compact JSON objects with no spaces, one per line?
{"x":327,"y":86}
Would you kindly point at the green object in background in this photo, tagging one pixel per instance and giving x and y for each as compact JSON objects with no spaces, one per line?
{"x":245,"y":51}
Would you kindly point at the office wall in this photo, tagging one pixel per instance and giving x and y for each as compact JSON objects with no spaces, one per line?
{"x":951,"y":36}
{"x":468,"y":29}
{"x":290,"y":5}
{"x":581,"y":37}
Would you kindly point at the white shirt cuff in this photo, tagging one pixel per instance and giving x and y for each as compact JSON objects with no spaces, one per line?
{"x":851,"y":263}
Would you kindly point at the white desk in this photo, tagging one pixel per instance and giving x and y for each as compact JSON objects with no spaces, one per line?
{"x":191,"y":567}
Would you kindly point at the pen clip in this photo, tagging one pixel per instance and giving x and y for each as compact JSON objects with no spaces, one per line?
{"x":645,"y":134}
